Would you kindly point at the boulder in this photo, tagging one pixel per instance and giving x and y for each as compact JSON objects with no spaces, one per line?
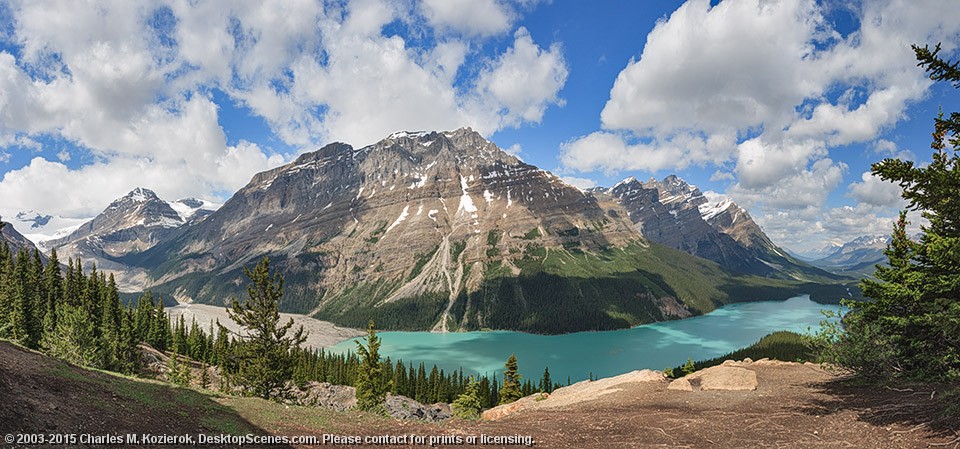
{"x":326,"y":395}
{"x":722,"y":377}
{"x":728,"y":378}
{"x":402,"y":407}
{"x":681,"y":384}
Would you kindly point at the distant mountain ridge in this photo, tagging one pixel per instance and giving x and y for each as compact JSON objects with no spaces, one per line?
{"x":130,"y":224}
{"x":712,"y":226}
{"x":857,"y":257}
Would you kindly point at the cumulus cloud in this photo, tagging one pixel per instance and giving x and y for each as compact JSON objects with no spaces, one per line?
{"x":774,"y":75}
{"x":875,"y":191}
{"x":769,"y":88}
{"x":580,"y":183}
{"x":803,"y":190}
{"x":521,"y":83}
{"x":470,"y":17}
{"x":133,"y":84}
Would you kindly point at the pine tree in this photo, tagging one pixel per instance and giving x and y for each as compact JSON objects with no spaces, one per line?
{"x":74,"y":338}
{"x":370,"y":387}
{"x":54,"y":283}
{"x":546,"y":384}
{"x":6,"y":290}
{"x":510,"y":390}
{"x":110,"y":310}
{"x":909,"y":327}
{"x":264,"y":353}
{"x":688,"y":367}
{"x":468,"y":405}
{"x":21,"y":312}
{"x":204,"y":377}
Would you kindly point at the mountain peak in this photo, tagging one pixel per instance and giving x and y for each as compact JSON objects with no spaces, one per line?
{"x":139,"y":195}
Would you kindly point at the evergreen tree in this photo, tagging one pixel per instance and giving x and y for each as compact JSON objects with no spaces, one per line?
{"x":370,"y":387}
{"x":6,"y":290}
{"x":264,"y":352}
{"x":468,"y":405}
{"x":54,"y":283}
{"x":510,"y":390}
{"x":21,"y":311}
{"x":74,"y":338}
{"x":110,"y":342}
{"x":546,"y":384}
{"x":909,"y":327}
{"x":688,"y":368}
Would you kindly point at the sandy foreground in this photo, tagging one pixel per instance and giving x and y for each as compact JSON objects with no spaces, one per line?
{"x":320,"y":334}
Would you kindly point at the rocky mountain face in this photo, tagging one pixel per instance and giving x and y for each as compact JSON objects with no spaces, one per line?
{"x":15,"y":240}
{"x":433,"y":230}
{"x":867,"y":248}
{"x":712,"y":226}
{"x":857,"y":257}
{"x":129,"y":225}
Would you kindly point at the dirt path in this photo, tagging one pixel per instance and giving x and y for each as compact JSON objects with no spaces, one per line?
{"x":795,"y":406}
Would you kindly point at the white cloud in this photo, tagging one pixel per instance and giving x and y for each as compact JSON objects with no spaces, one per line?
{"x":805,"y":189}
{"x":722,"y":176}
{"x":767,"y":72}
{"x":514,"y":150}
{"x":875,"y":191}
{"x":611,"y":151}
{"x":731,"y":66}
{"x":133,"y":83}
{"x":580,"y":183}
{"x":469,"y":17}
{"x":761,"y":164}
{"x":770,"y":88}
{"x":520,"y":84}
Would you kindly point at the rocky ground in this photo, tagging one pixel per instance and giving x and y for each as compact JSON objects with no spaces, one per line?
{"x":790,"y":406}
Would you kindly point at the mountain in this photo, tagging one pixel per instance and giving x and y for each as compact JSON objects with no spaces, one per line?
{"x":442,"y":231}
{"x":129,"y":225}
{"x":15,"y":240}
{"x":676,"y":214}
{"x":857,"y":257}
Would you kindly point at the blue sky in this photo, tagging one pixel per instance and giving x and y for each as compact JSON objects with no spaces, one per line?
{"x":781,"y":105}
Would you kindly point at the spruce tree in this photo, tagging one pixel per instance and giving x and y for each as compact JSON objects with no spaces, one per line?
{"x":370,"y":387}
{"x":54,"y":283}
{"x":468,"y":405}
{"x":6,"y":290}
{"x":264,"y":351}
{"x":546,"y":384}
{"x":74,"y":338}
{"x":909,"y":325}
{"x":21,"y":311}
{"x":510,"y":390}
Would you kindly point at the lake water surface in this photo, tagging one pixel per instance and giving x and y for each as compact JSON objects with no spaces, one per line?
{"x":654,"y":346}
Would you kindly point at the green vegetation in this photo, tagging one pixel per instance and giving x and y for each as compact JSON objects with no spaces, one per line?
{"x":263,"y":355}
{"x":421,"y":262}
{"x":781,"y":345}
{"x":909,"y":328}
{"x":510,"y":391}
{"x":371,"y":385}
{"x":532,"y":234}
{"x":468,"y":405}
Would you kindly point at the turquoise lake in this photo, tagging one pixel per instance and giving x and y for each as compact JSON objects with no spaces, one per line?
{"x":654,"y":346}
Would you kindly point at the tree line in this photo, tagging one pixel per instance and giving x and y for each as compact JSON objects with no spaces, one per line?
{"x":78,"y":316}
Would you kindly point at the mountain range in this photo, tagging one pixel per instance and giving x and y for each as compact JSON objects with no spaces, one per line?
{"x":444,"y":231}
{"x":857,"y":257}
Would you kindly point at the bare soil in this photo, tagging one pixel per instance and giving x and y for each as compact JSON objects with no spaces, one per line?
{"x":795,"y":406}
